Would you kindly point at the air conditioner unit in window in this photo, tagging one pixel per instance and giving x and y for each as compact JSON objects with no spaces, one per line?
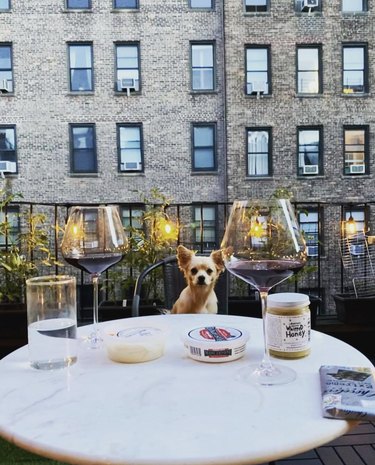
{"x":131,"y":166}
{"x":312,"y":250}
{"x":257,"y":87}
{"x":127,"y":85}
{"x":4,"y":86}
{"x":8,"y":167}
{"x":311,"y":169}
{"x":357,"y":249}
{"x":309,"y":4}
{"x":357,"y":169}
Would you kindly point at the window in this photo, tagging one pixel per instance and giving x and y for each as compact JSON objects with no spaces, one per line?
{"x":205,"y":228}
{"x":132,"y":217}
{"x":80,"y":64}
{"x":83,"y":148}
{"x":4,"y":5}
{"x":78,"y":4}
{"x":133,"y":4}
{"x":6,"y":69}
{"x":309,"y":151}
{"x":258,"y":152}
{"x":308,"y":70}
{"x":355,"y":149}
{"x":130,"y":147}
{"x":309,"y":224}
{"x":127,"y":67}
{"x":202,"y":63}
{"x":257,"y":70}
{"x":353,"y":6}
{"x":11,"y":216}
{"x":204,"y":147}
{"x":308,"y":6}
{"x":354,"y":79}
{"x":201,"y":4}
{"x":8,"y":144}
{"x":254,"y":6}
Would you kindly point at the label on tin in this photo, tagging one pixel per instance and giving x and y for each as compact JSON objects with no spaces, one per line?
{"x":288,"y":333}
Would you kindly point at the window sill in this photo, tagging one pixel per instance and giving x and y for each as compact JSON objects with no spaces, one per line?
{"x":125,"y":10}
{"x":309,"y":14}
{"x":204,"y":92}
{"x":355,"y":95}
{"x":201,"y":9}
{"x":310,"y":176}
{"x":6,"y":94}
{"x":80,"y":93}
{"x":257,"y":13}
{"x":77,"y":10}
{"x":120,"y":93}
{"x":350,"y":14}
{"x":257,"y":97}
{"x":204,"y":173}
{"x":259,"y":178}
{"x":121,"y":174}
{"x":320,"y":95}
{"x":84,"y":175}
{"x":355,"y":175}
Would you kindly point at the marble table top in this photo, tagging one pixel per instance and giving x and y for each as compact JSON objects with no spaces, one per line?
{"x":173,"y":410}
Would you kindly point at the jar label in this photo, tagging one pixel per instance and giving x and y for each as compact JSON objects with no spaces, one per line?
{"x":288,"y":333}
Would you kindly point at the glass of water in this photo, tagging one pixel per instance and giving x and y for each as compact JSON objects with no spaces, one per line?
{"x":52,"y":321}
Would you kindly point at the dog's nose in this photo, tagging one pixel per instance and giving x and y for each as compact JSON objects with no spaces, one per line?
{"x":201,"y":280}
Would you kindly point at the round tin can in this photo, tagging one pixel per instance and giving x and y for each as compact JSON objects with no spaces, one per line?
{"x":288,"y":325}
{"x":216,"y":343}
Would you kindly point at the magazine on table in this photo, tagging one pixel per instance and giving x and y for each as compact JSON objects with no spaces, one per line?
{"x":348,"y":392}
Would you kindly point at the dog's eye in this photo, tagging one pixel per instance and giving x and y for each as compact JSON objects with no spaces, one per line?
{"x":194,"y":271}
{"x":209,"y":271}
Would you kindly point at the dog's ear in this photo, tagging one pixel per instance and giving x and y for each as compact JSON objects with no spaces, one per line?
{"x":217,"y":257}
{"x":184,"y":256}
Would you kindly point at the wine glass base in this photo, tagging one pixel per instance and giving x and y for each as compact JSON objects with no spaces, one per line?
{"x":92,"y":341}
{"x":266,"y":375}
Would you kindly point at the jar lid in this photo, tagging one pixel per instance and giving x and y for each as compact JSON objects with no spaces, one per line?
{"x":287,"y":300}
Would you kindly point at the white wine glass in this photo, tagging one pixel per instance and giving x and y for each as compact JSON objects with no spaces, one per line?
{"x":93,"y":241}
{"x":263,"y":246}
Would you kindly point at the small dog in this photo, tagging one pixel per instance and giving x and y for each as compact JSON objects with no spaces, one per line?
{"x":201,"y":274}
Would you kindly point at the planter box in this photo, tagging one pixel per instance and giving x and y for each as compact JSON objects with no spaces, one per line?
{"x":355,"y":310}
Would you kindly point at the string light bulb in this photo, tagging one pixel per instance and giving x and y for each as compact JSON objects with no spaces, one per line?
{"x":351,"y":226}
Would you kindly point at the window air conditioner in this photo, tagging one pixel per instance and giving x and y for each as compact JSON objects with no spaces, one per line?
{"x":8,"y":167}
{"x":358,"y":249}
{"x":132,"y":166}
{"x":127,"y":85}
{"x":311,"y":169}
{"x":256,"y":87}
{"x":356,"y":169}
{"x":312,"y":250}
{"x":4,"y":86}
{"x":309,"y":4}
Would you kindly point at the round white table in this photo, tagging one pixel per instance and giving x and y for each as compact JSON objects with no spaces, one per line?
{"x":173,"y":410}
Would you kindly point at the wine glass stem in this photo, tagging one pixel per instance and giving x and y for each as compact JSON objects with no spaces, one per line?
{"x":266,"y":362}
{"x":95,"y":283}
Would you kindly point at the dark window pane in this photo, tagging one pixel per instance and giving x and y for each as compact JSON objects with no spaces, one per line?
{"x":126,"y":3}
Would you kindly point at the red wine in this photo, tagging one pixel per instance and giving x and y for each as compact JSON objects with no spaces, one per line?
{"x":264,"y":274}
{"x":95,"y":263}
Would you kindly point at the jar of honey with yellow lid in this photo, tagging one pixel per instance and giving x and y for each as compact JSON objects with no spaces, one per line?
{"x":288,"y":325}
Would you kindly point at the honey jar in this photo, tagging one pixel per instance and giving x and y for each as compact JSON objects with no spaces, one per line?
{"x":288,"y":325}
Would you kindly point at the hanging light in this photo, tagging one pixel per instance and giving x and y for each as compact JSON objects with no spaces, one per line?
{"x":351,"y":226}
{"x":256,"y":229}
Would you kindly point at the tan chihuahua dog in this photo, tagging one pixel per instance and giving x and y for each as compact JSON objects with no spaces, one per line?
{"x":201,"y":274}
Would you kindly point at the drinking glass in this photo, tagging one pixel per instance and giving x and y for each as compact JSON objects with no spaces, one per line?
{"x":263,"y":246}
{"x":94,"y":240}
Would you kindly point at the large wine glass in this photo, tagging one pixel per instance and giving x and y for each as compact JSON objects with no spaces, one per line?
{"x":263,"y":246}
{"x":94,"y":240}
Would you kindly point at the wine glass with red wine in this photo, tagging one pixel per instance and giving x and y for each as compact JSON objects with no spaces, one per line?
{"x":94,"y":240}
{"x":263,"y":246}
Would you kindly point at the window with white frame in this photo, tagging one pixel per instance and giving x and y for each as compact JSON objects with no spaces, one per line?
{"x":354,"y":69}
{"x":130,"y":147}
{"x":202,"y":66}
{"x":355,"y":149}
{"x":257,"y":70}
{"x":81,"y":67}
{"x":127,"y":67}
{"x":258,"y":151}
{"x":308,"y":69}
{"x":204,"y":147}
{"x":78,"y":4}
{"x":83,"y":148}
{"x":205,"y":227}
{"x":201,"y":4}
{"x":254,"y":6}
{"x":309,"y":151}
{"x":6,"y":69}
{"x":8,"y":151}
{"x":309,"y":225}
{"x":4,"y":5}
{"x":354,"y":6}
{"x":11,"y":218}
{"x":132,"y":4}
